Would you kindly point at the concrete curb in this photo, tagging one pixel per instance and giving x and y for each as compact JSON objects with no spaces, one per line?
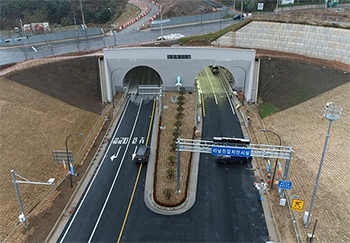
{"x":192,"y":185}
{"x":83,"y":183}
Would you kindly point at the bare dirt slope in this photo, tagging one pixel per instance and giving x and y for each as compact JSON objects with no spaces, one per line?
{"x":338,"y":16}
{"x":178,"y":8}
{"x":286,"y":84}
{"x":34,"y":123}
{"x":300,"y":91}
{"x":63,"y":80}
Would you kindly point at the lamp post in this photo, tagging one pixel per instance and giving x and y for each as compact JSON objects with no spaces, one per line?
{"x":245,"y":77}
{"x":332,"y":113}
{"x":22,"y":217}
{"x":274,"y":171}
{"x":276,"y":7}
{"x":70,"y":172}
{"x":82,"y":14}
{"x":110,"y":12}
{"x":201,"y":8}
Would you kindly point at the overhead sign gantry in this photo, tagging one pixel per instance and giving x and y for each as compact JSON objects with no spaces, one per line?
{"x":250,"y":150}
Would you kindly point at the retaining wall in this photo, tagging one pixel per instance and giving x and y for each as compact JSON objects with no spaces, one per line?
{"x":312,"y":41}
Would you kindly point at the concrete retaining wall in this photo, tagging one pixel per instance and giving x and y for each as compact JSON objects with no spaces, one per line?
{"x":313,"y":41}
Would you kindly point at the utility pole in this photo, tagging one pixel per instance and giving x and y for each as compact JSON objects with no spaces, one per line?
{"x":82,"y":13}
{"x":331,"y":113}
{"x":22,"y":217}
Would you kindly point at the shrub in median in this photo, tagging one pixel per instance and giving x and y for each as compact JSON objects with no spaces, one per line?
{"x":168,"y":193}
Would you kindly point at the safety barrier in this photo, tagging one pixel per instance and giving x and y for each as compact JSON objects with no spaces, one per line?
{"x":141,"y":15}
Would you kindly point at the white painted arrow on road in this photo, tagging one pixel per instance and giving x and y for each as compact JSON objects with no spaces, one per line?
{"x":115,"y":155}
{"x":134,"y":154}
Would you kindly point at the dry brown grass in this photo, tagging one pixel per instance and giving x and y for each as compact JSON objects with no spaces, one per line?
{"x":32,"y":125}
{"x":166,"y":137}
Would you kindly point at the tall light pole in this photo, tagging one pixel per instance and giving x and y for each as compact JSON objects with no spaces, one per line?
{"x":22,"y":217}
{"x":276,"y":6}
{"x":201,"y":8}
{"x":82,"y":14}
{"x":274,"y":172}
{"x":70,"y":172}
{"x":110,"y":12}
{"x":332,"y":113}
{"x":245,"y":77}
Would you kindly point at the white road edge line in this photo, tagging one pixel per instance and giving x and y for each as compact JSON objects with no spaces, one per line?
{"x":86,"y":193}
{"x":228,"y":97}
{"x":116,"y":176}
{"x":216,"y":101}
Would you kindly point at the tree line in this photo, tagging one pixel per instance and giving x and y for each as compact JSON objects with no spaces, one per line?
{"x":60,"y":12}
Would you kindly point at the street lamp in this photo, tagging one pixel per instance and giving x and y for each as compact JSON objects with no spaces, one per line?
{"x":110,"y":11}
{"x":201,"y":8}
{"x":274,"y":172}
{"x":276,"y":7}
{"x":82,"y":14}
{"x":69,"y":169}
{"x":332,"y":113}
{"x":22,"y":217}
{"x":245,"y":77}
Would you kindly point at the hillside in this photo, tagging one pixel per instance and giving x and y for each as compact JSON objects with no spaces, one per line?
{"x":284,"y":84}
{"x":63,"y":80}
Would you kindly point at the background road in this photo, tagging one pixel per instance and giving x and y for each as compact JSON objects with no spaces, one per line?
{"x":127,"y":36}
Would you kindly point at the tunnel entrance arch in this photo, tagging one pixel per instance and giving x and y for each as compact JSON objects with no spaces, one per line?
{"x":140,"y":75}
{"x":176,"y":63}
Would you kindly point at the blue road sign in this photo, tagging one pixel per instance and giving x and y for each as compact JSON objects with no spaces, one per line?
{"x":285,"y":185}
{"x":231,"y":151}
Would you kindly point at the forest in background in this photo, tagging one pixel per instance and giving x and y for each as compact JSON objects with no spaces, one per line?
{"x":67,"y":12}
{"x":58,"y":12}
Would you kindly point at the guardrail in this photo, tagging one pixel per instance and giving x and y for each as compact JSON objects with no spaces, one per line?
{"x":51,"y":37}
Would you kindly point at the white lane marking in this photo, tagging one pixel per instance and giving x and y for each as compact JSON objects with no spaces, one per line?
{"x":115,"y":155}
{"x":134,"y":154}
{"x":228,"y":97}
{"x":216,"y":101}
{"x":116,"y":176}
{"x":87,"y":192}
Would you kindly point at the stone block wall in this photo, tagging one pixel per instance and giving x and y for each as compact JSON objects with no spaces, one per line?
{"x":313,"y":41}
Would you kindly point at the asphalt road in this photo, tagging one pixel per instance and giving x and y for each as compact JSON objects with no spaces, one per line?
{"x":100,"y":214}
{"x":127,"y":36}
{"x":227,"y":208}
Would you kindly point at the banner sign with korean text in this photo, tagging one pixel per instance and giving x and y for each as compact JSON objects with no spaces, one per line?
{"x":231,"y":151}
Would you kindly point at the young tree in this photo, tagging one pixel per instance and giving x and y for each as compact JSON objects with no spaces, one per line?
{"x":172,"y":160}
{"x":179,"y":117}
{"x":180,"y":109}
{"x":176,"y":134}
{"x":173,"y":146}
{"x":168,"y":193}
{"x":170,"y":173}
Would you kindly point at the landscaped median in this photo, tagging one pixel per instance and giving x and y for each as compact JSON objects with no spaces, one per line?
{"x":178,"y":122}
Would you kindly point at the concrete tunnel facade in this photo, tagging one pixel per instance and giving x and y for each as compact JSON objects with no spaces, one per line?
{"x":173,"y":62}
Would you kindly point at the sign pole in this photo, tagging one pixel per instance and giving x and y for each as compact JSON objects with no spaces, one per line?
{"x":178,"y":167}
